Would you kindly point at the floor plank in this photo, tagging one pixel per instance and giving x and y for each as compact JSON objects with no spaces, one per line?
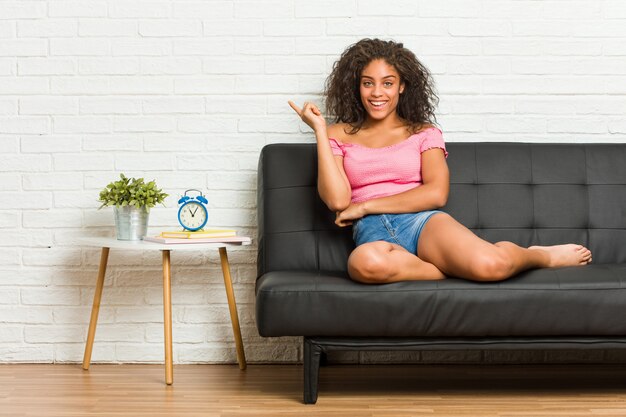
{"x":46,"y":390}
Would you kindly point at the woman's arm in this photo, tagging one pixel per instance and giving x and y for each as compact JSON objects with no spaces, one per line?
{"x":432,"y":194}
{"x":332,"y":182}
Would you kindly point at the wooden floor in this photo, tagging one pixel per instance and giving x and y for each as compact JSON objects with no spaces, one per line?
{"x":345,"y":390}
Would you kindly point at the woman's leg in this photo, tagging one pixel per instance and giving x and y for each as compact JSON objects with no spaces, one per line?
{"x":383,"y":262}
{"x":458,"y":252}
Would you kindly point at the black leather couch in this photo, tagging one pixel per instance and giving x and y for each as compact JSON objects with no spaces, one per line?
{"x":526,"y":193}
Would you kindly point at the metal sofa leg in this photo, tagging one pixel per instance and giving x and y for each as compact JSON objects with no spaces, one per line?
{"x":324,"y":359}
{"x":312,"y":355}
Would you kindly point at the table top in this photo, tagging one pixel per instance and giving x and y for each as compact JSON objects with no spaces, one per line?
{"x":113,"y":243}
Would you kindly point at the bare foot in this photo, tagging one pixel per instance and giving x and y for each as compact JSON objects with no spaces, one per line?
{"x":566,"y":255}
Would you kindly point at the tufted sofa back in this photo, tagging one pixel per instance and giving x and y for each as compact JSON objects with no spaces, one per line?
{"x":530,"y":194}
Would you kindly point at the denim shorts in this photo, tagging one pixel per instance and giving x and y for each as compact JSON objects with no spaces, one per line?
{"x":401,"y":229}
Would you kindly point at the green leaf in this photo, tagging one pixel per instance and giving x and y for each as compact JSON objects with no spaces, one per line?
{"x":131,"y":191}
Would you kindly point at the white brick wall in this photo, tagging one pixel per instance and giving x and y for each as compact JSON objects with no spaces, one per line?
{"x":187,"y":93}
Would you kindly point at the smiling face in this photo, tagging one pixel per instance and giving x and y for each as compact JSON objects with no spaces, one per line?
{"x":380,"y":88}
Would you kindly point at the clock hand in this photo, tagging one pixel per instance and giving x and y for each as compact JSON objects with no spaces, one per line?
{"x":194,"y":213}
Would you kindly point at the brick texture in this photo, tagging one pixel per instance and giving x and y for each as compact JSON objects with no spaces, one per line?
{"x":188,"y":92}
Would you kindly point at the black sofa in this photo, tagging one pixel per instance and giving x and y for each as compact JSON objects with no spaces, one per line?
{"x":526,"y":193}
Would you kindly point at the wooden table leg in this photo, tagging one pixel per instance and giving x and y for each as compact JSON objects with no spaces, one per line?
{"x":104,"y":257}
{"x":232,"y":306}
{"x":167,"y":317}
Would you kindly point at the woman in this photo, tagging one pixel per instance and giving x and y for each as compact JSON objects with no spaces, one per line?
{"x":382,"y":168}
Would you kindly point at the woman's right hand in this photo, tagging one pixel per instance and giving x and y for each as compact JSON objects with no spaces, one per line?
{"x":311,"y":115}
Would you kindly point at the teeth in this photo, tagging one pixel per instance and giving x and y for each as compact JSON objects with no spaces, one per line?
{"x":377,"y":103}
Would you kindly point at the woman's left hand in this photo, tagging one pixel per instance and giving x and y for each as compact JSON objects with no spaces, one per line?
{"x":347,"y":216}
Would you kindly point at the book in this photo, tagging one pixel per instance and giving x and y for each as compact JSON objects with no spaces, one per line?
{"x":200,"y":234}
{"x":173,"y":240}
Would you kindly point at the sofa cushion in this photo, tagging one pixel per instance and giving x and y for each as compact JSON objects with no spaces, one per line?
{"x":575,"y":301}
{"x":527,"y":193}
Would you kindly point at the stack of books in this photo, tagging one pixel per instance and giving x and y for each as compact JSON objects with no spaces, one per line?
{"x":200,"y":236}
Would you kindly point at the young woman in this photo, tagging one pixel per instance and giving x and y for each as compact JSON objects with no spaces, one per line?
{"x":382,"y":168}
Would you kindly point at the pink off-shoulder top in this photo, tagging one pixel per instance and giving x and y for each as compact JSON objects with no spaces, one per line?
{"x":380,"y":172}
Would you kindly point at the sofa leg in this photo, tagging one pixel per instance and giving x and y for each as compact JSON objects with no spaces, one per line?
{"x":312,"y":355}
{"x":324,"y":359}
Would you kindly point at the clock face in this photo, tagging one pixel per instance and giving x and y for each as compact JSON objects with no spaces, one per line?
{"x":192,"y":215}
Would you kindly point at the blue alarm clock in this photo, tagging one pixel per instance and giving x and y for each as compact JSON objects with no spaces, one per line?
{"x":192,"y":214}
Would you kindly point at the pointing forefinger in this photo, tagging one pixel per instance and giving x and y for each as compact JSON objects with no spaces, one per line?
{"x":295,"y":107}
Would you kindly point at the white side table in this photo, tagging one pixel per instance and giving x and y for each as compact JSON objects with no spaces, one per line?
{"x":107,"y":243}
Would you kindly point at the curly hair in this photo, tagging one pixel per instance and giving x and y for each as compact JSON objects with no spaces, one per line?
{"x":417,"y":103}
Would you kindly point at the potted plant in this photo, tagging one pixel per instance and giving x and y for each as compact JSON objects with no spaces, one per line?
{"x":133,"y":198}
